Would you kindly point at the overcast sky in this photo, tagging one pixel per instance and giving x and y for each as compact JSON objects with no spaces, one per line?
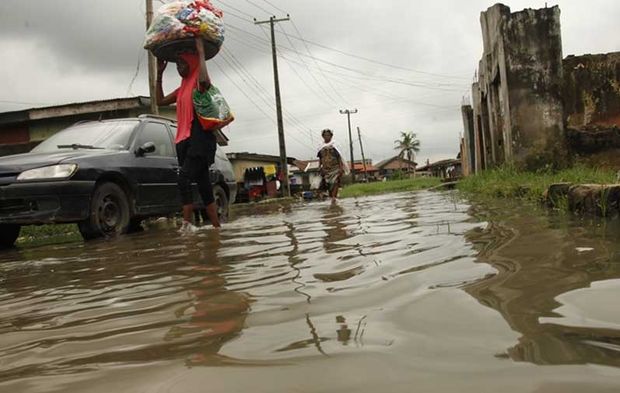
{"x":404,"y":64}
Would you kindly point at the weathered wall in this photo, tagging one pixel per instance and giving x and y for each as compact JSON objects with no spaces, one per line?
{"x":517,"y":100}
{"x":533,"y":55}
{"x":592,"y":108}
{"x":468,"y":146}
{"x":592,"y":91}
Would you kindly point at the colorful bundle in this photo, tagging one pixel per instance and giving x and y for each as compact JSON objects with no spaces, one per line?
{"x":181,"y":20}
{"x":212,"y":109}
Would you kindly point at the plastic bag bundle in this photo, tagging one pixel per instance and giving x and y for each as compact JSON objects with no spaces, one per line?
{"x":212,"y":109}
{"x":181,"y":20}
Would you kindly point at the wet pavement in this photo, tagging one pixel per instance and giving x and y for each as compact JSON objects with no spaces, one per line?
{"x":414,"y":292}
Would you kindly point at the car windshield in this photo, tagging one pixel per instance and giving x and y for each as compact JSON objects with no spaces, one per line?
{"x":102,"y":135}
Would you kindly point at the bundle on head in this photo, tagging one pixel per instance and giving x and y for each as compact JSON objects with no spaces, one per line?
{"x":176,"y":24}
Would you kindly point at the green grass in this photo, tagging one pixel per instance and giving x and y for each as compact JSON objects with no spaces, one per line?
{"x":507,"y":182}
{"x":35,"y":235}
{"x":363,"y":189}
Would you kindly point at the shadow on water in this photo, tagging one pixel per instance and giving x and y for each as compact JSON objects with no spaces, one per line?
{"x":544,"y":260}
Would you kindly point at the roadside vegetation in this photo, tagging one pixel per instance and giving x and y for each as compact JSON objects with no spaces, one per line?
{"x":48,"y":234}
{"x":363,"y":189}
{"x":507,"y":182}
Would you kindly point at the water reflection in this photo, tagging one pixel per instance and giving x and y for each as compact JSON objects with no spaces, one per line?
{"x":372,"y":286}
{"x":215,"y":314}
{"x":540,"y":257}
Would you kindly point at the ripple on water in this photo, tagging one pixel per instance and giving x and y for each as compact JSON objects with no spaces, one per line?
{"x":314,"y":280}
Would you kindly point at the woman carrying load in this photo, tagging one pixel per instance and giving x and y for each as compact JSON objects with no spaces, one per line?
{"x":195,"y":146}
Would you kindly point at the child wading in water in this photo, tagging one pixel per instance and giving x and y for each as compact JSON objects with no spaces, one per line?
{"x":331,"y":164}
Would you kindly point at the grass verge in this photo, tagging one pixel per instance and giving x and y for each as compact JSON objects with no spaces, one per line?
{"x":363,"y":189}
{"x":507,"y":182}
{"x":36,"y":235}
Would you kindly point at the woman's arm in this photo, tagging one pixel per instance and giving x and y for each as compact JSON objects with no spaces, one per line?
{"x":159,"y":90}
{"x":204,"y":82}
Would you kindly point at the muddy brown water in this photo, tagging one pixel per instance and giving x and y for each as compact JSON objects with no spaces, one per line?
{"x":413,"y":292}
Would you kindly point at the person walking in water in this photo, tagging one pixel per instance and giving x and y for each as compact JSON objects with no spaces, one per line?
{"x":331,"y":164}
{"x":195,"y":146}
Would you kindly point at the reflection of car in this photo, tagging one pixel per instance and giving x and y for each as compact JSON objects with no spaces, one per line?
{"x":107,"y":176}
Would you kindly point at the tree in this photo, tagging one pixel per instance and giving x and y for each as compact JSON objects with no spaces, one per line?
{"x":408,"y":145}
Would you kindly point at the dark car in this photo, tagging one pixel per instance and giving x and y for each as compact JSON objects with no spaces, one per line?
{"x":106,"y":176}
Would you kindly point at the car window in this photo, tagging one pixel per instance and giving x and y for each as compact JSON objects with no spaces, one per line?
{"x":100,"y":135}
{"x":158,"y":134}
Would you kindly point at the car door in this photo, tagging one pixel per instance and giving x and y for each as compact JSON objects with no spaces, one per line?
{"x":156,"y":172}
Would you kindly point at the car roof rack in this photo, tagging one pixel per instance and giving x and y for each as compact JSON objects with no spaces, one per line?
{"x":150,"y":116}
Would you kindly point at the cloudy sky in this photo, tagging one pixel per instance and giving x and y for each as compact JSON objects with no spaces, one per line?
{"x":406,"y":65}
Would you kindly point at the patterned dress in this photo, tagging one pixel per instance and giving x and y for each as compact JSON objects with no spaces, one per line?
{"x":331,"y":163}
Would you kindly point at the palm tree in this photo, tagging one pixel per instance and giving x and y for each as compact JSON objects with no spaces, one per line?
{"x":408,"y":145}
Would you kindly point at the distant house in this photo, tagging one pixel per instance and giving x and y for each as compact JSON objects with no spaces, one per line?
{"x":306,"y":174}
{"x":243,"y":161}
{"x":387,"y":168}
{"x":269,"y":165}
{"x":22,"y":130}
{"x":445,"y":169}
{"x":362,"y":171}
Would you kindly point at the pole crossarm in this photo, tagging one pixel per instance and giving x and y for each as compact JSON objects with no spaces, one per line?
{"x":271,"y":20}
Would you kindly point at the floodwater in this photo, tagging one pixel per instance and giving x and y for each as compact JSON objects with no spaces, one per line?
{"x":414,"y":292}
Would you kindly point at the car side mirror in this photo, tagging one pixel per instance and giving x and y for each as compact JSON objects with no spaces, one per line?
{"x":147,"y":148}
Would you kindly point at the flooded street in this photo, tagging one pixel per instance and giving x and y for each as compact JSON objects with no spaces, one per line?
{"x":414,"y":292}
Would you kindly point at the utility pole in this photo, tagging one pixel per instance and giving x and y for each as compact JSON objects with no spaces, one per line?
{"x":359,"y":135}
{"x":283,"y":160}
{"x":349,"y":112}
{"x":152,"y":65}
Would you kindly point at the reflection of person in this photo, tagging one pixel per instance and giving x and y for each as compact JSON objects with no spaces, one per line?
{"x":195,"y":146}
{"x":335,"y":228}
{"x":215,"y":315}
{"x":331,"y":164}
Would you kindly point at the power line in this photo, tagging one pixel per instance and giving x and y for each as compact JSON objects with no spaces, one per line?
{"x":253,"y":101}
{"x":438,"y":86}
{"x":135,"y":76}
{"x":275,"y":6}
{"x":309,"y":72}
{"x":236,"y":9}
{"x":320,"y":69}
{"x":299,"y":37}
{"x":260,"y":89}
{"x":259,"y":7}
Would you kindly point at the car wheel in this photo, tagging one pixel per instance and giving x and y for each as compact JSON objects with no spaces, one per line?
{"x":109,"y":213}
{"x":221,"y":201}
{"x":8,"y":235}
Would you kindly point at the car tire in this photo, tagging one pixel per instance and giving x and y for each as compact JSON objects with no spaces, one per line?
{"x":221,"y":201}
{"x":8,"y":235}
{"x":109,"y":214}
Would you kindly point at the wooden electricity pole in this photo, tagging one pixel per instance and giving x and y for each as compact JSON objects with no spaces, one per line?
{"x":349,"y":112}
{"x":152,"y":64}
{"x":359,"y":135}
{"x":286,"y":189}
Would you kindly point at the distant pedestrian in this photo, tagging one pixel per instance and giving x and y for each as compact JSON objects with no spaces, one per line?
{"x":331,"y":164}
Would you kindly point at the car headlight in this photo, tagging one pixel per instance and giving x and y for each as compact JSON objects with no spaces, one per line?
{"x":62,"y":171}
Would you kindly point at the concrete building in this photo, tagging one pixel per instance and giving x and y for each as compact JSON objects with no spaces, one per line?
{"x":516,"y":112}
{"x":532,"y":108}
